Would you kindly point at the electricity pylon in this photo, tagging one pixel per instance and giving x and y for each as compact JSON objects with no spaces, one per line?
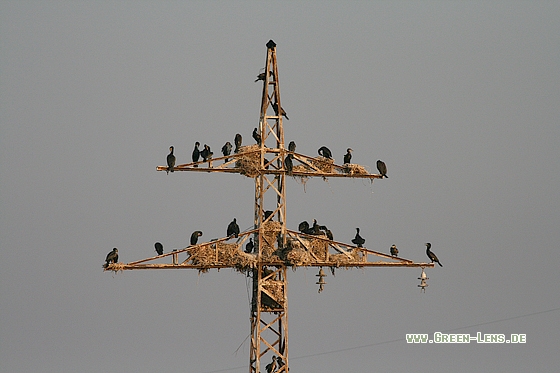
{"x":276,"y":246}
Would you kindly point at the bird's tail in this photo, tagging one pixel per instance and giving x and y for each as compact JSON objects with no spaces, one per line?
{"x":441,"y":265}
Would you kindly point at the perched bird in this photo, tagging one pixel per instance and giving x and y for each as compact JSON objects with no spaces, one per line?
{"x":327,"y":231}
{"x":233,"y":229}
{"x":257,"y":136}
{"x":303,"y":227}
{"x":288,"y":164}
{"x":382,"y":168}
{"x":358,"y":240}
{"x":394,"y":250}
{"x":325,"y":152}
{"x":348,"y":156}
{"x":112,"y":257}
{"x":261,"y":76}
{"x":226,"y":150}
{"x":250,"y":246}
{"x":237,"y":141}
{"x":271,"y":367}
{"x":206,"y":153}
{"x":159,"y":248}
{"x":279,"y":359}
{"x":196,"y":153}
{"x":431,"y":255}
{"x":292,"y":146}
{"x":315,"y":228}
{"x":267,"y":213}
{"x":282,"y":111}
{"x":170,"y":160}
{"x":194,"y":237}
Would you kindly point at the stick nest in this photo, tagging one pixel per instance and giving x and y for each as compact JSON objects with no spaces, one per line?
{"x":355,"y":169}
{"x":228,"y":254}
{"x":249,"y":164}
{"x":323,"y":164}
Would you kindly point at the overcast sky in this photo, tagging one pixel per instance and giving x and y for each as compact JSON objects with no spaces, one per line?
{"x":460,"y":99}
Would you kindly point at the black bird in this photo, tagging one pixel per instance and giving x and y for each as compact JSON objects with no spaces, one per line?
{"x":233,"y":229}
{"x":250,"y":246}
{"x":348,"y":156}
{"x":394,"y":250}
{"x":237,"y":141}
{"x":327,"y":232}
{"x":112,"y":257}
{"x":257,"y":136}
{"x":226,"y":150}
{"x":170,"y":160}
{"x":382,"y":168}
{"x":206,"y":153}
{"x":261,"y":76}
{"x":196,"y":153}
{"x":303,"y":227}
{"x":358,"y":240}
{"x":271,"y":367}
{"x":194,"y":237}
{"x":282,"y":111}
{"x":159,"y":248}
{"x":267,"y":213}
{"x":292,"y":146}
{"x":315,"y":228}
{"x":325,"y":152}
{"x":271,"y":44}
{"x":431,"y":255}
{"x":288,"y":164}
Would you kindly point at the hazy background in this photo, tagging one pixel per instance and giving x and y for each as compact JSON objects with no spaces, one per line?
{"x":460,"y":99}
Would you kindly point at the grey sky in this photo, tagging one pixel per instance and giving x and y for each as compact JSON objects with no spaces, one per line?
{"x":460,"y":99}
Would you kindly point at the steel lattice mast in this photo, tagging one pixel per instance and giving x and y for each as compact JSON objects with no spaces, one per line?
{"x":269,"y":305}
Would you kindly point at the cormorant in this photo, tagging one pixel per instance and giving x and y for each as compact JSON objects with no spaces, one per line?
{"x":382,"y":168}
{"x":271,"y":44}
{"x":292,"y":146}
{"x":348,"y":156}
{"x":303,"y":227}
{"x":194,"y":237}
{"x":282,"y":111}
{"x":196,"y":153}
{"x":159,"y":248}
{"x":327,"y":232}
{"x":288,"y":164}
{"x":358,"y":240}
{"x":237,"y":141}
{"x":113,"y":257}
{"x":261,"y":76}
{"x":325,"y":152}
{"x":267,"y":213}
{"x":226,"y":150}
{"x":250,"y":246}
{"x":315,"y":228}
{"x":394,"y":250}
{"x":257,"y":136}
{"x":233,"y":229}
{"x":170,"y":160}
{"x":206,"y":153}
{"x":431,"y":255}
{"x":271,"y":367}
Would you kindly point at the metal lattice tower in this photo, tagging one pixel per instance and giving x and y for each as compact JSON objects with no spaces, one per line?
{"x":269,"y":304}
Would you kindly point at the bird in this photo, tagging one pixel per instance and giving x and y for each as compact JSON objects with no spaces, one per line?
{"x":170,"y":160}
{"x":282,"y":111}
{"x":226,"y":150}
{"x":431,"y":255}
{"x":194,"y":237}
{"x":257,"y":136}
{"x":250,"y":246}
{"x":159,"y":248}
{"x":348,"y":156}
{"x":292,"y":146}
{"x":303,"y":227}
{"x":327,"y":232}
{"x":279,"y":359}
{"x":325,"y":152}
{"x":358,"y":240}
{"x":288,"y":164}
{"x":233,"y":229}
{"x":113,"y":257}
{"x":206,"y":153}
{"x":394,"y":250}
{"x":196,"y":153}
{"x":315,"y":228}
{"x":267,"y":213}
{"x":271,"y":367}
{"x":261,"y":76}
{"x":382,"y":168}
{"x":237,"y":141}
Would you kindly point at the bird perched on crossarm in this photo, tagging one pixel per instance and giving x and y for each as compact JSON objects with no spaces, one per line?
{"x":348,"y":156}
{"x":170,"y":160}
{"x":358,"y":240}
{"x":237,"y":141}
{"x":233,"y":229}
{"x":257,"y":136}
{"x":325,"y":152}
{"x":226,"y":150}
{"x":431,"y":255}
{"x":196,"y":153}
{"x":394,"y":250}
{"x":194,"y":237}
{"x":159,"y":248}
{"x":382,"y":168}
{"x":112,"y":257}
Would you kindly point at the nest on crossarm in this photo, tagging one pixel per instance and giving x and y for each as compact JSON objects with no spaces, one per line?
{"x":355,"y":169}
{"x":228,"y":254}
{"x":249,"y":161}
{"x":323,"y":164}
{"x":270,"y":237}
